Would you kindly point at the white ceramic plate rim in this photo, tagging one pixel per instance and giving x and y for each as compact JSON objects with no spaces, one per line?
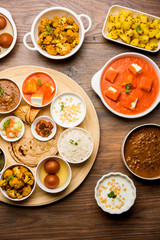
{"x":123,"y":146}
{"x":75,"y":123}
{"x":12,"y":139}
{"x":4,"y":191}
{"x":56,"y":190}
{"x":31,"y":104}
{"x":131,"y":184}
{"x":38,"y":137}
{"x":67,"y":130}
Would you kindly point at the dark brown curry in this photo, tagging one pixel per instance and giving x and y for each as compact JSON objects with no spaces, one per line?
{"x":9,"y":95}
{"x":142,"y":151}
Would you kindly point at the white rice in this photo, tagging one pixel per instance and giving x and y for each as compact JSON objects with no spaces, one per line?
{"x":75,"y":145}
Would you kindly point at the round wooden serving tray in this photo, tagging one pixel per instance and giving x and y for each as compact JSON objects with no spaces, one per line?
{"x":90,"y":123}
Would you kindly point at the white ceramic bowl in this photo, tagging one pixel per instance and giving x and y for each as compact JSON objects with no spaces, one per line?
{"x":115,"y":9}
{"x":4,"y":160}
{"x":50,"y":13}
{"x":55,"y":113}
{"x":7,"y":15}
{"x":128,"y":201}
{"x":96,"y":82}
{"x":4,"y":191}
{"x":123,"y":148}
{"x":47,"y":119}
{"x":20,"y":96}
{"x":60,"y":151}
{"x":40,"y":183}
{"x":44,"y":105}
{"x":12,"y":139}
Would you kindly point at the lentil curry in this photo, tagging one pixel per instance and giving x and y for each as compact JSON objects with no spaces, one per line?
{"x":142,"y":151}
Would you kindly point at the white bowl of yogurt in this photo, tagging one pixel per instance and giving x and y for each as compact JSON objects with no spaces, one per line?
{"x":68,"y":109}
{"x":115,"y":193}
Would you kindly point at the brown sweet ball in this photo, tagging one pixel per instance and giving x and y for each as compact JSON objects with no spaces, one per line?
{"x":6,"y":40}
{"x":51,"y":181}
{"x":3,"y":23}
{"x":52,"y":166}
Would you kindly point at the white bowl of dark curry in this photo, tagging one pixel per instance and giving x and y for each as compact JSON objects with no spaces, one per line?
{"x":141,"y":151}
{"x":10,"y":95}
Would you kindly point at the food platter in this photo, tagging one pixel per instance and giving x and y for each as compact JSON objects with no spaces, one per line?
{"x":90,"y":123}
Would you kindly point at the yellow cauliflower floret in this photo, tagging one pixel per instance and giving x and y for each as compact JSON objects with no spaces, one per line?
{"x":8,"y":173}
{"x":3,"y":183}
{"x":17,"y":172}
{"x":70,"y":20}
{"x":63,"y":49}
{"x":26,"y":191}
{"x":47,"y":40}
{"x":23,"y":169}
{"x":16,"y":183}
{"x":51,"y":50}
{"x":12,"y":193}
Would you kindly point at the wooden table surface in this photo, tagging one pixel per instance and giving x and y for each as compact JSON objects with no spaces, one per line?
{"x":77,"y":216}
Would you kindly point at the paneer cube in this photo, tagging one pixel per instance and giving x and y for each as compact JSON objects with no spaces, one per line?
{"x":135,"y":69}
{"x":111,"y":74}
{"x":30,"y":87}
{"x":131,"y":102}
{"x":37,"y":99}
{"x":128,"y":79}
{"x":146,"y":83}
{"x":112,"y":93}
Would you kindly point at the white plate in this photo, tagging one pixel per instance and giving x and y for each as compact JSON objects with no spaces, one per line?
{"x":55,"y":113}
{"x":12,"y":139}
{"x":47,"y":119}
{"x":115,"y":9}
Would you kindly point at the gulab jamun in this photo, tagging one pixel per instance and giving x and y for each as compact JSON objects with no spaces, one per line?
{"x":51,"y":181}
{"x":3,"y":23}
{"x":52,"y":166}
{"x":6,"y":40}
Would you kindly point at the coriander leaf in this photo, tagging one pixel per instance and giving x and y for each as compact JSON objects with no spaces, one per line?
{"x":71,"y":141}
{"x":62,"y":107}
{"x":6,"y":123}
{"x":10,"y":177}
{"x":48,"y":28}
{"x":111,"y":195}
{"x":128,"y":86}
{"x":1,"y":91}
{"x":39,"y":82}
{"x":138,"y":28}
{"x":127,"y":91}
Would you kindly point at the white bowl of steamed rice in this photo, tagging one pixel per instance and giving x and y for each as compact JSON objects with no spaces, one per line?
{"x":75,"y":145}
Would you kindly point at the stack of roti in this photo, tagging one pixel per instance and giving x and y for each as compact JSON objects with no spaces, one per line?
{"x":26,"y":113}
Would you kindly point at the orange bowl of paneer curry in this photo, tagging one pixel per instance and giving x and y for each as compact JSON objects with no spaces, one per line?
{"x":39,"y":89}
{"x":128,"y":85}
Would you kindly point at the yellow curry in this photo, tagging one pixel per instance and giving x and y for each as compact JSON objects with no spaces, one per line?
{"x":58,"y":35}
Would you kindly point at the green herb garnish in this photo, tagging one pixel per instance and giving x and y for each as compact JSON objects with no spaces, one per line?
{"x":48,"y":28}
{"x":39,"y":82}
{"x":73,"y":142}
{"x":6,"y":123}
{"x":111,"y":195}
{"x":1,"y":91}
{"x":10,"y":177}
{"x":128,"y":87}
{"x":1,"y":164}
{"x":138,"y":28}
{"x":62,"y":107}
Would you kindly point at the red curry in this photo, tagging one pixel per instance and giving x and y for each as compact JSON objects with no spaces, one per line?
{"x":145,"y":98}
{"x":41,"y":81}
